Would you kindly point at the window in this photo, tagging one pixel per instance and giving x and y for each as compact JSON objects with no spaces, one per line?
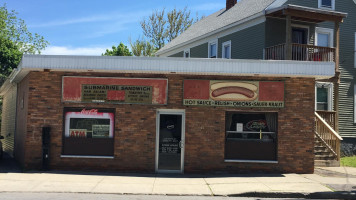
{"x":251,"y":136}
{"x":187,"y":53}
{"x":88,"y":132}
{"x":213,"y":49}
{"x":326,"y":4}
{"x":355,"y":52}
{"x":324,"y":96}
{"x":324,"y":37}
{"x":226,"y":50}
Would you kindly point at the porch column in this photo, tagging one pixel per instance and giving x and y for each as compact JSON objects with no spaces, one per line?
{"x":337,"y":73}
{"x":288,"y":50}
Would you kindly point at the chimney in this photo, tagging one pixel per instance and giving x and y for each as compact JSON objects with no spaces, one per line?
{"x":230,"y":4}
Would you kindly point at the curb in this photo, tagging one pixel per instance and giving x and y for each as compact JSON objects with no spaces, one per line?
{"x":318,"y":195}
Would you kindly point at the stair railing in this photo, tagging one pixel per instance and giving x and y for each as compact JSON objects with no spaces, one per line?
{"x":329,"y":137}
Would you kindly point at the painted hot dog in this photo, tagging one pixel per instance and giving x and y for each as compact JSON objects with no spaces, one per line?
{"x":233,"y":91}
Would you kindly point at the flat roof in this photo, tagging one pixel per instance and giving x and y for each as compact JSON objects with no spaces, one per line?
{"x":158,"y":65}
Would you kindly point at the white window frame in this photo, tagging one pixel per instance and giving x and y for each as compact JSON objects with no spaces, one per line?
{"x":227,"y":43}
{"x":328,"y":31}
{"x":216,"y":51}
{"x":322,"y":7}
{"x":186,"y":51}
{"x":330,"y":87}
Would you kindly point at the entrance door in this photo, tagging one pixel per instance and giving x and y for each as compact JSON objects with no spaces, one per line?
{"x":170,"y":141}
{"x":299,"y":36}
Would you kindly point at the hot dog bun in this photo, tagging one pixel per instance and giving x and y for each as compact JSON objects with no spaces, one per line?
{"x":233,"y":91}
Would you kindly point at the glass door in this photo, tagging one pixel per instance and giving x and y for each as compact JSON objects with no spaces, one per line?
{"x":170,"y":141}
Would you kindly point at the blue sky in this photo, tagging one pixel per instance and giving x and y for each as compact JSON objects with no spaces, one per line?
{"x":88,"y":27}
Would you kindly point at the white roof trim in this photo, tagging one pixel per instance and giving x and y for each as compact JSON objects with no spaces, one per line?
{"x":277,"y":4}
{"x":192,"y":66}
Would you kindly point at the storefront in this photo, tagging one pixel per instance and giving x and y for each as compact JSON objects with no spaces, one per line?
{"x":165,"y":115}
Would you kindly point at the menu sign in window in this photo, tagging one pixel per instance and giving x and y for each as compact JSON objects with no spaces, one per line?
{"x":268,"y":94}
{"x":114,"y":90}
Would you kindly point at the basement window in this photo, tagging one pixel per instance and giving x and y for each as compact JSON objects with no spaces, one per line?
{"x":88,"y":132}
{"x":251,"y":137}
{"x":326,"y":4}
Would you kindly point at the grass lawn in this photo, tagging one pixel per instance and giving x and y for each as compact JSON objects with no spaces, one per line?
{"x":348,"y":161}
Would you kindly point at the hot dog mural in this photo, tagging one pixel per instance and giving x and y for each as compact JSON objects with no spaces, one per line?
{"x":234,"y":93}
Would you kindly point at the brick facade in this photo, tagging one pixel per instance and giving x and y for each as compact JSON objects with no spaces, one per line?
{"x":135,"y":128}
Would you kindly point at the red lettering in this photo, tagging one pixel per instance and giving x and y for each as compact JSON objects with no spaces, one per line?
{"x":89,"y":112}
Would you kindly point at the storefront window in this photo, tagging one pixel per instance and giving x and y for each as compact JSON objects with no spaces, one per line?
{"x":251,"y":136}
{"x":88,"y":132}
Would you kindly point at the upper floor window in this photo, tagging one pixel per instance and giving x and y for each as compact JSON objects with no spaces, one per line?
{"x":213,"y":49}
{"x":324,"y":37}
{"x":327,"y":4}
{"x":186,"y":53}
{"x":226,"y":50}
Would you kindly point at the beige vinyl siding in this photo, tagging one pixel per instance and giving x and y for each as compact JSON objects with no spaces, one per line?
{"x":200,"y":51}
{"x":245,"y":44}
{"x":177,"y":55}
{"x":8,"y":122}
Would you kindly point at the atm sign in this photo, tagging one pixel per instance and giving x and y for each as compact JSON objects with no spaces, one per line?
{"x":78,"y":133}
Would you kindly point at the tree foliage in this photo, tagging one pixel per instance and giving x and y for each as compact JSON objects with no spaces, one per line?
{"x":140,"y":47}
{"x":161,"y":27}
{"x":120,"y":50}
{"x":15,"y":40}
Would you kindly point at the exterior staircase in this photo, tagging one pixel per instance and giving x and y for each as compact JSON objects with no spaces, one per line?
{"x":323,"y":156}
{"x":327,"y":140}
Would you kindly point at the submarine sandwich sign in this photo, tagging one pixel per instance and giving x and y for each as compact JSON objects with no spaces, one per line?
{"x":267,"y":94}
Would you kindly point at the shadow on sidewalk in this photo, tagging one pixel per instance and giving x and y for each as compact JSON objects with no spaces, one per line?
{"x":9,"y":165}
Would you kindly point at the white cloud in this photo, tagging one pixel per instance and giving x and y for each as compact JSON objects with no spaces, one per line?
{"x":123,"y":17}
{"x":85,"y":51}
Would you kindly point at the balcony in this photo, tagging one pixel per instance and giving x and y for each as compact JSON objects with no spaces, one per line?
{"x":300,"y":52}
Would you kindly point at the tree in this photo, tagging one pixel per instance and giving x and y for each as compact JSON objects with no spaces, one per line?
{"x":161,"y":28}
{"x":142,"y":48}
{"x":15,"y":40}
{"x":120,"y":50}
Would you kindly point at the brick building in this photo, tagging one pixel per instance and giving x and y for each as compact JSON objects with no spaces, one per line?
{"x":163,"y":114}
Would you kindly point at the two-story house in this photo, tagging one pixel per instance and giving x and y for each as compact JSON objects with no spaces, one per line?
{"x":303,"y":30}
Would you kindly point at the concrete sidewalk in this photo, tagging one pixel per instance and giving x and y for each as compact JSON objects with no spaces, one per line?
{"x":336,"y":183}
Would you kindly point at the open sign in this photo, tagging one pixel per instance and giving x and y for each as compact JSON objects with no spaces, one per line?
{"x":78,"y":133}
